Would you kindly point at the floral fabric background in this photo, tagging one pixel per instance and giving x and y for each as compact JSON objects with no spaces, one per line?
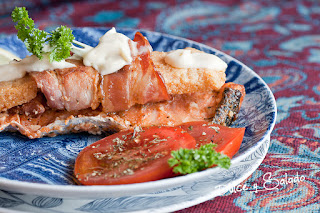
{"x":280,"y":40}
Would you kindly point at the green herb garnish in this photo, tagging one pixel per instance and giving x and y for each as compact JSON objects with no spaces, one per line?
{"x":59,"y":40}
{"x":186,"y":161}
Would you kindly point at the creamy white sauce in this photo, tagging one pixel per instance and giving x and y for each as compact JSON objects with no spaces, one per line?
{"x":114,"y":51}
{"x":184,"y":58}
{"x":111,"y":54}
{"x":18,"y":69}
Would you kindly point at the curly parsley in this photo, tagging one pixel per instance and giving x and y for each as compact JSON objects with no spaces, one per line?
{"x":185,"y":161}
{"x":59,"y":40}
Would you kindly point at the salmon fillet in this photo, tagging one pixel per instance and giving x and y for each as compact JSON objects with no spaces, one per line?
{"x":180,"y":109}
{"x":79,"y":99}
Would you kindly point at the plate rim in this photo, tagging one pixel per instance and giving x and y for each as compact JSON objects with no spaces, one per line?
{"x":178,"y":205}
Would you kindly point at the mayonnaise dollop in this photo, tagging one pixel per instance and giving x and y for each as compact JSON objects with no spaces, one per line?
{"x":18,"y":69}
{"x":185,"y":58}
{"x":111,"y":54}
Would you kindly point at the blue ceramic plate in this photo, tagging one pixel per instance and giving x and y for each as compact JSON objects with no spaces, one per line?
{"x":37,"y":174}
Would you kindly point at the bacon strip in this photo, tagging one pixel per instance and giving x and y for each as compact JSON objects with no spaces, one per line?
{"x":137,"y":83}
{"x":48,"y":83}
{"x":70,"y":89}
{"x":79,"y":88}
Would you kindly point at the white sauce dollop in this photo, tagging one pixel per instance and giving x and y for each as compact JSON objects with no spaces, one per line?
{"x":184,"y":58}
{"x":18,"y":69}
{"x":111,"y":54}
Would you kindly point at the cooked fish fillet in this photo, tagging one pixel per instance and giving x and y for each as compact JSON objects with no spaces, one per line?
{"x":182,"y":108}
{"x":71,"y":100}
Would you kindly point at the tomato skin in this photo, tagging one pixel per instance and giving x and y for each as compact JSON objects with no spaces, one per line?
{"x":228,"y":139}
{"x":123,"y":159}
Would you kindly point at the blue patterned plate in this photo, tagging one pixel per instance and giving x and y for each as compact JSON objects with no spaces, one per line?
{"x":37,"y":174}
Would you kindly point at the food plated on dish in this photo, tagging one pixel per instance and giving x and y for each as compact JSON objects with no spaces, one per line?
{"x":42,"y":168}
{"x":149,"y":96}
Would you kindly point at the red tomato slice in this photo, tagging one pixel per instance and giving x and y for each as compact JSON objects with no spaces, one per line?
{"x":228,"y":139}
{"x":131,"y":157}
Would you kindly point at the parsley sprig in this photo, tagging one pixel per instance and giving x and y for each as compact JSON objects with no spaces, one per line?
{"x":186,"y":161}
{"x":59,"y":40}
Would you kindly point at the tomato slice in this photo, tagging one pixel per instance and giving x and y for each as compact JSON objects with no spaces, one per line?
{"x":228,"y":139}
{"x":131,"y":156}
